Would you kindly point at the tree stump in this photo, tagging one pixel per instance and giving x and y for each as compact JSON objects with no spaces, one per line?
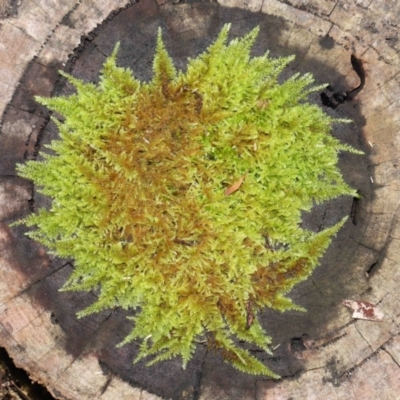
{"x":323,"y":353}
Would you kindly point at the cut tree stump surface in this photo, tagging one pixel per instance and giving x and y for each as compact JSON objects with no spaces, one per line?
{"x":323,"y":353}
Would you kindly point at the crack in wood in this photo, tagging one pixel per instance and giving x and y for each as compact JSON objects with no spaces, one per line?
{"x":391,"y":293}
{"x":23,"y":31}
{"x":41,"y":8}
{"x":351,"y":370}
{"x":336,"y":331}
{"x":365,"y":340}
{"x":97,"y":48}
{"x":199,"y":378}
{"x":372,"y":269}
{"x":333,"y":9}
{"x":390,"y":355}
{"x":106,"y":384}
{"x":317,"y":287}
{"x":366,"y":246}
{"x":330,"y":342}
{"x":382,"y":347}
{"x":32,"y":284}
{"x":355,"y":208}
{"x":382,"y":252}
{"x":21,"y":109}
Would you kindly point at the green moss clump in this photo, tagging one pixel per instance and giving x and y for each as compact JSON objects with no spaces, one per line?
{"x":182,"y":197}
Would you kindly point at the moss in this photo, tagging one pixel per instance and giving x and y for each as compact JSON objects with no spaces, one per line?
{"x":182,"y":197}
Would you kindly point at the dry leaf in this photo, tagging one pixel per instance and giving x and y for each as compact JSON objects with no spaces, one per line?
{"x":250,"y":315}
{"x":364,"y":310}
{"x":235,"y":186}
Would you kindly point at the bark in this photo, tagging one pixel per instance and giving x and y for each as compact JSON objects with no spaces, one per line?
{"x":321,"y":353}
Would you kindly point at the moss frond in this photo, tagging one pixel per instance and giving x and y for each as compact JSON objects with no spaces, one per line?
{"x":163,"y":66}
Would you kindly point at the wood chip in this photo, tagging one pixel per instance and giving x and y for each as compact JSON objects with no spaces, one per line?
{"x":364,"y":310}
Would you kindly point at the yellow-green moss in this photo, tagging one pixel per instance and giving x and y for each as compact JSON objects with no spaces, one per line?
{"x":142,"y":183}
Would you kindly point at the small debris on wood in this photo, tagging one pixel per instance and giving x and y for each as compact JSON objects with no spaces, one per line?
{"x":364,"y":310}
{"x":275,"y":347}
{"x":235,"y":186}
{"x":250,"y":315}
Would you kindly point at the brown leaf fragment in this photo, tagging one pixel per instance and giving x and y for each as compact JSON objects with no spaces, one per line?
{"x":235,"y":186}
{"x":185,"y":242}
{"x":250,"y":315}
{"x":364,"y":310}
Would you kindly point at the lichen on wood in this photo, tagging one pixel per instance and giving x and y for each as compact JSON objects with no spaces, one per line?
{"x":181,"y":198}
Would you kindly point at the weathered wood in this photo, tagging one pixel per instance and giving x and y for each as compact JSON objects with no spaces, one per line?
{"x":322,"y":353}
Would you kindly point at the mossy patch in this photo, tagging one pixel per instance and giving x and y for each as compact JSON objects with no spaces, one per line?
{"x":182,"y":197}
